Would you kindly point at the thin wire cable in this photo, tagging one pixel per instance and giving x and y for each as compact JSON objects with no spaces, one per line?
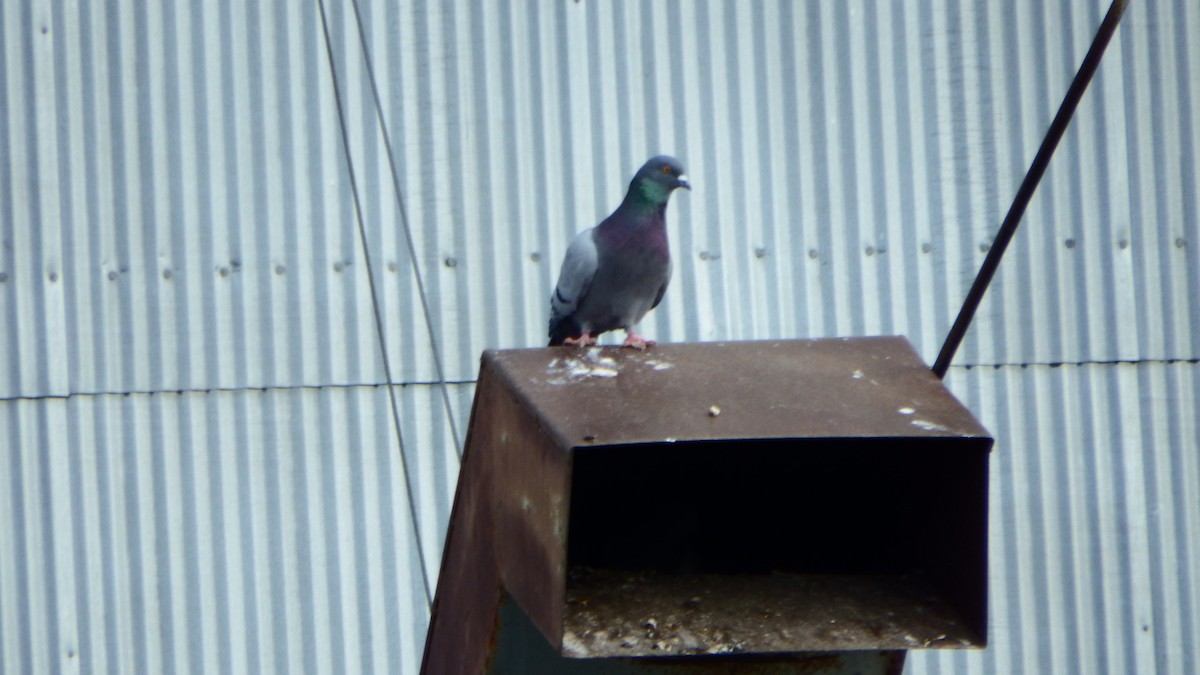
{"x":408,"y":237}
{"x":408,"y":486}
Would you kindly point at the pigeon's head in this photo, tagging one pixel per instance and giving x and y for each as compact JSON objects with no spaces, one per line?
{"x":659,"y":177}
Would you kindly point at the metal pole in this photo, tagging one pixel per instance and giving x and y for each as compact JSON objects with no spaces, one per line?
{"x":1034,"y":176}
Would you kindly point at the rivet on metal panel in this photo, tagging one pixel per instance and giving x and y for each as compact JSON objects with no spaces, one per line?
{"x":112,"y":275}
{"x":53,"y":276}
{"x":984,"y":248}
{"x":535,"y":256}
{"x":1180,"y":242}
{"x":3,"y":277}
{"x":451,"y":261}
{"x":280,"y":269}
{"x":1123,"y":244}
{"x":223,"y":271}
{"x":1069,"y":242}
{"x":926,"y":247}
{"x":167,"y":273}
{"x":760,"y":252}
{"x":869,"y":250}
{"x":339,"y":266}
{"x":812,"y":253}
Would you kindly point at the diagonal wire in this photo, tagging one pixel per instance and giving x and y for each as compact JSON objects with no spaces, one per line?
{"x":1037,"y":168}
{"x":408,"y":236}
{"x":408,"y":486}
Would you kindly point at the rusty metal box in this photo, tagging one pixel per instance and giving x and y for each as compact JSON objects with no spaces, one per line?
{"x":726,"y":498}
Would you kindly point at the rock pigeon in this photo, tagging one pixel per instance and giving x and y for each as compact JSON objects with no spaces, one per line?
{"x":618,"y":270}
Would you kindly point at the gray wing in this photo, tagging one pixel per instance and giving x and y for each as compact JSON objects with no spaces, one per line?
{"x":662,"y":290}
{"x":575,"y":278}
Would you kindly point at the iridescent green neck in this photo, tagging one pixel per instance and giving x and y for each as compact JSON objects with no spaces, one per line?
{"x":647,"y":194}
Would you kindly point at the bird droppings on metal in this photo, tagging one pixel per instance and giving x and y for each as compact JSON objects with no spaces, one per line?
{"x":570,"y":369}
{"x":926,"y":425}
{"x":596,"y":355}
{"x":599,"y":363}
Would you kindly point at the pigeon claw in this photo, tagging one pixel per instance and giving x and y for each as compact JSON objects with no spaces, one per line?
{"x":585,"y":340}
{"x":637,"y":341}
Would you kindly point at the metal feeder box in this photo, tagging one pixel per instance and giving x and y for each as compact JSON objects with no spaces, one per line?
{"x":694,"y":504}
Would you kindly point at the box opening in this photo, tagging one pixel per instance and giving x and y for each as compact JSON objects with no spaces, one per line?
{"x":856,"y":543}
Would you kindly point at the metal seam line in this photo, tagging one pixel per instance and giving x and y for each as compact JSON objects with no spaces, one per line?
{"x":412,"y":247}
{"x":412,"y":506}
{"x":1179,"y":361}
{"x":96,"y":393}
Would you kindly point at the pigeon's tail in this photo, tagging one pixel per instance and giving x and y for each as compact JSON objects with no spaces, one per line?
{"x":565,"y":327}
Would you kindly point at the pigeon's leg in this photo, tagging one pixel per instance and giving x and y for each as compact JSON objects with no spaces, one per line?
{"x":632,"y":339}
{"x":585,"y":340}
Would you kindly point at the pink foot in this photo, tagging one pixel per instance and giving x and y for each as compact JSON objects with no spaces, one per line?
{"x":637,"y":341}
{"x":585,"y":340}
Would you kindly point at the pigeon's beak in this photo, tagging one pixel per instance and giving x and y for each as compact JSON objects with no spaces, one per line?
{"x":683,"y":182}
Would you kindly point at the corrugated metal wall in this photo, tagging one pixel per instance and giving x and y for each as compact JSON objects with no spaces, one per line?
{"x":225,"y":228}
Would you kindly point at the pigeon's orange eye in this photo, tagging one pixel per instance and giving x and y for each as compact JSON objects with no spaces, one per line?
{"x":666,"y":168}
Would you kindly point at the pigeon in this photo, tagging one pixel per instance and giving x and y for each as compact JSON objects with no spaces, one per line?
{"x":617,"y":271}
